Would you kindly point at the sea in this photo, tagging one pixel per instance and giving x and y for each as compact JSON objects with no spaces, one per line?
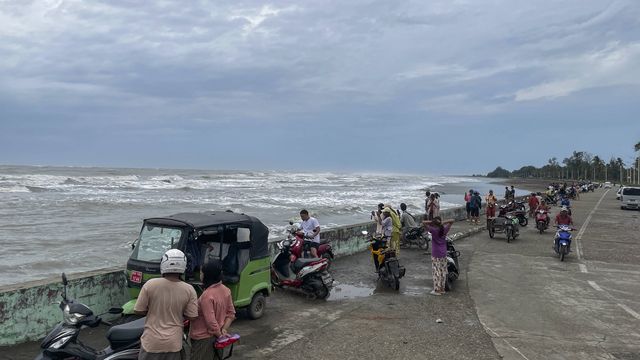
{"x":74,"y":219}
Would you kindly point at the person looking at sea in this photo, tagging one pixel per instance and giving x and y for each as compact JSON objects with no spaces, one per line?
{"x":311,"y":230}
{"x":166,"y":301}
{"x":467,"y":204}
{"x":439,"y":230}
{"x":406,"y":219}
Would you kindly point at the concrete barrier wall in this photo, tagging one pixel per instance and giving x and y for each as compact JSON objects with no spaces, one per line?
{"x":28,"y":311}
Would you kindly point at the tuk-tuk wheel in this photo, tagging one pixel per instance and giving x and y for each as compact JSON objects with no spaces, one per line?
{"x":256,"y":308}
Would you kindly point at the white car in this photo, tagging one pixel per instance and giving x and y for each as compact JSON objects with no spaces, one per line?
{"x":607,"y":185}
{"x":630,"y":198}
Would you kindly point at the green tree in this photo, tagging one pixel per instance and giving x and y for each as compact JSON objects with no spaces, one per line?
{"x":499,"y":172}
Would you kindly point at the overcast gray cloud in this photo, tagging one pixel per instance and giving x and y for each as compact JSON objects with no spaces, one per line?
{"x":132,"y":77}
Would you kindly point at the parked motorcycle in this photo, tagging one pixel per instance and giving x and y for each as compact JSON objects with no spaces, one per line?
{"x":562,"y":241}
{"x":62,"y":342}
{"x":415,"y":236}
{"x":453,"y":271}
{"x":385,"y":260}
{"x":551,"y":199}
{"x":307,"y":276}
{"x":301,"y":247}
{"x":542,"y":220}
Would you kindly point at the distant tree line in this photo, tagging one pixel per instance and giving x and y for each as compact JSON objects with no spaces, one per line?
{"x":581,"y":165}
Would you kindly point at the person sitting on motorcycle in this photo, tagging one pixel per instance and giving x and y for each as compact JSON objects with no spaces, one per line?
{"x":311,"y":232}
{"x":563,"y":218}
{"x":544,"y":207}
{"x":491,"y":201}
{"x":387,"y":229}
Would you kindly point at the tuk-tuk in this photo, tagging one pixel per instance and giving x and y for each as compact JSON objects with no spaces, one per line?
{"x":238,"y":240}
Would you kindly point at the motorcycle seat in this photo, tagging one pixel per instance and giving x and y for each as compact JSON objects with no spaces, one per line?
{"x":126,"y":333}
{"x":300,"y":263}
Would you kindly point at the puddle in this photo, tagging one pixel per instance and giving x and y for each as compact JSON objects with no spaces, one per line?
{"x":348,"y":291}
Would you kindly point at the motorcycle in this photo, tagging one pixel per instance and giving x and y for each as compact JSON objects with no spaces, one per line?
{"x":415,"y":236}
{"x":307,"y":276}
{"x":542,"y":220}
{"x":507,"y":223}
{"x":453,"y":271}
{"x":562,"y":241}
{"x":62,"y":342}
{"x":301,"y":248}
{"x":385,"y":260}
{"x":551,"y":199}
{"x":516,"y":209}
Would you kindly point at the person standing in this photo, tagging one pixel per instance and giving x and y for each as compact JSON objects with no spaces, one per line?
{"x":467,"y":199}
{"x":396,"y":230}
{"x":513,"y":193}
{"x":533,"y":204}
{"x":507,"y":193}
{"x":492,"y":202}
{"x":377,"y":217}
{"x":436,"y":209}
{"x":439,"y":231}
{"x":215,"y":312}
{"x":476,"y":205}
{"x":311,"y":231}
{"x":166,"y":301}
{"x":426,"y":204}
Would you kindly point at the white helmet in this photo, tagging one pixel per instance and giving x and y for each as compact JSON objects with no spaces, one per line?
{"x":173,"y":261}
{"x":564,"y":208}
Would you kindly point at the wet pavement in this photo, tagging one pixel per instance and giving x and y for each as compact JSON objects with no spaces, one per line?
{"x":515,"y":301}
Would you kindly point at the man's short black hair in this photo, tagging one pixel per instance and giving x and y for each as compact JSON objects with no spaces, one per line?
{"x":304,"y":212}
{"x":403,"y":206}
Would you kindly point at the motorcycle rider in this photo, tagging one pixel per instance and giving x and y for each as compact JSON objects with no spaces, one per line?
{"x":563,"y":218}
{"x":406,"y":219}
{"x":491,"y":201}
{"x":166,"y":302}
{"x":544,"y":207}
{"x":387,"y":229}
{"x":311,"y":232}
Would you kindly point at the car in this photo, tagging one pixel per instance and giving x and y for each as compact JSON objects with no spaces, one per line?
{"x":630,"y":198}
{"x":607,"y":185}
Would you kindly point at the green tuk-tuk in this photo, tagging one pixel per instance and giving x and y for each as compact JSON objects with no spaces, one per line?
{"x":238,"y":240}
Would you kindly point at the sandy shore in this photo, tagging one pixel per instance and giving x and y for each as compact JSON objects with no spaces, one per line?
{"x":528,"y":184}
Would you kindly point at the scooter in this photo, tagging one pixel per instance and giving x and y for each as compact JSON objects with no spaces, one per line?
{"x":506,"y":223}
{"x":62,"y":342}
{"x":385,"y":260}
{"x":542,"y":220}
{"x":562,"y":241}
{"x":453,"y":271}
{"x":415,"y":236}
{"x":301,"y":248}
{"x":307,"y":276}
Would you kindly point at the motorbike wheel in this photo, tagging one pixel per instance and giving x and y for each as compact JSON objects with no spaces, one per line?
{"x":448,"y":284}
{"x":329,"y":260}
{"x":322,"y":292}
{"x":508,"y":232}
{"x":563,"y":251}
{"x":540,"y":227}
{"x":404,"y":244}
{"x":492,"y":231}
{"x":423,"y":243}
{"x":523,"y":221}
{"x":257,"y":305}
{"x":396,"y":283}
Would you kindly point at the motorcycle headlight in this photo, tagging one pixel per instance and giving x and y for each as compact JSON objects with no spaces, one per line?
{"x":70,"y":318}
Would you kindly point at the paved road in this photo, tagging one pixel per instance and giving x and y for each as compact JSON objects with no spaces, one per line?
{"x":536,"y":307}
{"x":517,"y":301}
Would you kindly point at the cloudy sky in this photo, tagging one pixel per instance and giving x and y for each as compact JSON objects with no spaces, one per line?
{"x":449,"y":86}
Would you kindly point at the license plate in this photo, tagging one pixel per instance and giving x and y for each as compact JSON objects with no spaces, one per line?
{"x":327,"y":280}
{"x":136,"y":277}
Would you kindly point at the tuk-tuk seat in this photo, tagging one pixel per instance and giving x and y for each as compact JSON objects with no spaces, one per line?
{"x":237,"y":258}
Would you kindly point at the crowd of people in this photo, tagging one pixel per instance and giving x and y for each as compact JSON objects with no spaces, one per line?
{"x":167,"y":301}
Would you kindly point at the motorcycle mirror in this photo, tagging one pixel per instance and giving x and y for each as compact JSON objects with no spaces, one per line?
{"x":365,"y":232}
{"x":290,"y":222}
{"x":64,"y":280}
{"x":115,"y":310}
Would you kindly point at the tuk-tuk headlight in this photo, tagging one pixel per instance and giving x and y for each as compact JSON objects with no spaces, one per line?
{"x":70,"y":318}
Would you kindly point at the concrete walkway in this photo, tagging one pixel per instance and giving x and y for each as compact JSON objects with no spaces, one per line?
{"x":516,"y":301}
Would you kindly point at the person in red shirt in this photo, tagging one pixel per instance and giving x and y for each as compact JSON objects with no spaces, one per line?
{"x":533,"y":204}
{"x":215,"y":312}
{"x":563,"y":218}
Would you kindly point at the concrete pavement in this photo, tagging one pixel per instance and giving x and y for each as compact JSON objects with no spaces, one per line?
{"x":516,"y":301}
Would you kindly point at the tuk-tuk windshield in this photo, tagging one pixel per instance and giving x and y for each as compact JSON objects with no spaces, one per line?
{"x":155,"y":241}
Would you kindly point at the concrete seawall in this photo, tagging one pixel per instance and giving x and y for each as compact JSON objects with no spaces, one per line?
{"x":29,"y":310}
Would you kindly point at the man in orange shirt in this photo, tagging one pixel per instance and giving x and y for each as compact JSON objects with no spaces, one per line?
{"x":166,"y":302}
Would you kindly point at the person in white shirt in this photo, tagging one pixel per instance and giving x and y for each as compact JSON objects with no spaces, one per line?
{"x":311,"y":229}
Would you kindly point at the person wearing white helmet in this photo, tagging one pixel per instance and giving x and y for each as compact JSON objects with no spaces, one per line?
{"x":166,"y":302}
